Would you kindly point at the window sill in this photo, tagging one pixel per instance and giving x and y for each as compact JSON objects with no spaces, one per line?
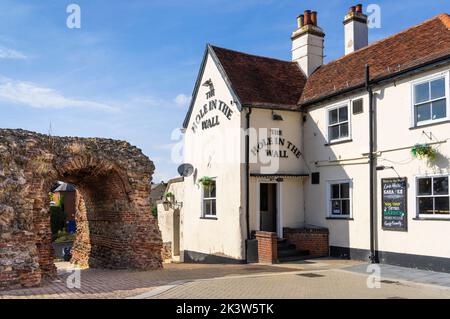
{"x":338,"y":142}
{"x":447,"y":219}
{"x":339,"y":218}
{"x":209,"y":218}
{"x":419,"y":126}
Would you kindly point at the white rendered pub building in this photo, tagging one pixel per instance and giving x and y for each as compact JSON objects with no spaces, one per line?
{"x":355,"y":151}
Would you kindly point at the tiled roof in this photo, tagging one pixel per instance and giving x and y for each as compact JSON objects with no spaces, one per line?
{"x":260,"y":81}
{"x":415,"y":46}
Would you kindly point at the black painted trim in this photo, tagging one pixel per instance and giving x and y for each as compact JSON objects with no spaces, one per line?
{"x":209,"y":218}
{"x":337,"y":218}
{"x":194,"y":257}
{"x":432,"y":263}
{"x":437,"y":219}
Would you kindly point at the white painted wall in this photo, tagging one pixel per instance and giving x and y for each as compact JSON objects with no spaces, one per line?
{"x":290,"y":189}
{"x":166,"y":217}
{"x":393,"y":103}
{"x":215,"y":152}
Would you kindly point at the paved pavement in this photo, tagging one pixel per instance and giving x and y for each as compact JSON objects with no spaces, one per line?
{"x":318,"y":278}
{"x":321,"y":284}
{"x":104,"y":284}
{"x":402,"y":273}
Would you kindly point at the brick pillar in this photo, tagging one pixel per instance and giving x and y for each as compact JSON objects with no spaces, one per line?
{"x":267,"y":247}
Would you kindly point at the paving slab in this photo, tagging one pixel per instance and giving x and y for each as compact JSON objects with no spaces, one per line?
{"x":409,"y":274}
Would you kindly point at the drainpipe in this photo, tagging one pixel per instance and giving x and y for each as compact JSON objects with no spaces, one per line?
{"x":373,"y":255}
{"x":247,"y":173}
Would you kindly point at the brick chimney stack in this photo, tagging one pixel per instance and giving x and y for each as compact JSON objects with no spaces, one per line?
{"x":308,"y":43}
{"x":356,"y":29}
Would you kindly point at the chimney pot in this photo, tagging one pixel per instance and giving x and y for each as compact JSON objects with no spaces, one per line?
{"x":301,"y":20}
{"x":307,"y":15}
{"x":358,"y":8}
{"x":314,"y":18}
{"x":352,"y":9}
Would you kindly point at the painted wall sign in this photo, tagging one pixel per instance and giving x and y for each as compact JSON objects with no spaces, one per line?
{"x":283,"y":146}
{"x":394,"y":204}
{"x":206,"y":117}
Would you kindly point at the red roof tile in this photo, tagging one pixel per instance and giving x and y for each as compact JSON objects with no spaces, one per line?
{"x":261,"y":81}
{"x":420,"y":44}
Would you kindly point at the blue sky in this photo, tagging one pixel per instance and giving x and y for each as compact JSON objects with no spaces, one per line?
{"x":129,"y":71}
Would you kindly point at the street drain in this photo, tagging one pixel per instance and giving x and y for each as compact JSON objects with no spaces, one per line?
{"x":311,"y":275}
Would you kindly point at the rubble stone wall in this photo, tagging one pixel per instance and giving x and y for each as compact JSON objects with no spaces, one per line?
{"x":115,"y":226}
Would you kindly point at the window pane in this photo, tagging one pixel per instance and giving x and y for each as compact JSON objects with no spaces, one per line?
{"x":437,"y":88}
{"x":206,"y":207}
{"x":426,"y":205}
{"x":333,"y":114}
{"x":213,"y":207}
{"x":345,"y":190}
{"x":336,"y":207}
{"x":343,"y":130}
{"x":424,"y":186}
{"x":212,"y":190}
{"x":335,"y":191}
{"x":441,"y":205}
{"x":343,"y":114}
{"x":423,"y":112}
{"x":346,"y":207}
{"x":440,"y":186}
{"x":334,"y":132}
{"x":422,"y":92}
{"x":439,"y":109}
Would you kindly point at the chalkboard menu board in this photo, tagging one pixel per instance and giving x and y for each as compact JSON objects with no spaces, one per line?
{"x":394,"y":196}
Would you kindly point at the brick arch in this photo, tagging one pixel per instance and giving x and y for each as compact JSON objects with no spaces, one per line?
{"x":115,"y":226}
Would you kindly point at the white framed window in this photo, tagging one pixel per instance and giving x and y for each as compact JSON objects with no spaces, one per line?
{"x":338,"y":123}
{"x":430,"y":100}
{"x":339,"y":197}
{"x":209,"y":200}
{"x":432,"y":196}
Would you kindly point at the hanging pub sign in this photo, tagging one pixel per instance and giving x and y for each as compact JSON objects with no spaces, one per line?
{"x":209,"y":114}
{"x":394,"y":204}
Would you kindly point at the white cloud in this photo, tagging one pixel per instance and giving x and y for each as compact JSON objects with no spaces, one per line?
{"x":36,"y":96}
{"x":182,"y":100}
{"x":11,"y":54}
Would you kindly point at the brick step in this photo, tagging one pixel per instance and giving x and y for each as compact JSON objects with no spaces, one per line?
{"x":285,"y":246}
{"x":293,"y":258}
{"x":292,"y":253}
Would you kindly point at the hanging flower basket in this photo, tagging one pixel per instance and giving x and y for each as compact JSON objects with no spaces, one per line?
{"x":169,"y":197}
{"x":422,"y":151}
{"x":206,"y":181}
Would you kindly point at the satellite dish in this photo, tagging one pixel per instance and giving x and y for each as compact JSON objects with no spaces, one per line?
{"x":185,"y":170}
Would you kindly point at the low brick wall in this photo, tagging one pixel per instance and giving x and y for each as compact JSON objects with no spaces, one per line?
{"x":314,"y":239}
{"x":267,"y":247}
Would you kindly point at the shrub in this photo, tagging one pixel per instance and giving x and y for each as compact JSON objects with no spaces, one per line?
{"x":58,"y":220}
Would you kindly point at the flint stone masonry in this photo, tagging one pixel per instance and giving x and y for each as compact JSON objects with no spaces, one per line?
{"x":115,"y":226}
